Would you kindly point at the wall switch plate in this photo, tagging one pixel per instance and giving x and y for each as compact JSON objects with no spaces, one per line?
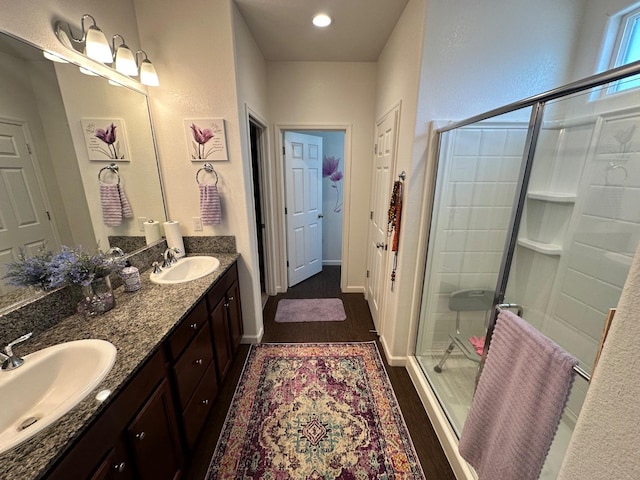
{"x":141,"y":221}
{"x":197,"y":224}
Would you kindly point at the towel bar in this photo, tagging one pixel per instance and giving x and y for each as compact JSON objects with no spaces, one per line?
{"x":581,"y":372}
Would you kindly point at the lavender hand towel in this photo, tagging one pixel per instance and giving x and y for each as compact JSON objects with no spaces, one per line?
{"x":518,"y":403}
{"x":124,"y":203}
{"x":114,"y":204}
{"x":210,"y":209}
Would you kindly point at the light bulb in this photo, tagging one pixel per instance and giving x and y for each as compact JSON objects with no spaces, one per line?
{"x":148,"y":74}
{"x":322,"y":20}
{"x":97,"y":46}
{"x":125,"y":62}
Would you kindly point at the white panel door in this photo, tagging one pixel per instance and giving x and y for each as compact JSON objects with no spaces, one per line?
{"x":381,"y":187}
{"x":24,"y":220}
{"x":303,"y":176}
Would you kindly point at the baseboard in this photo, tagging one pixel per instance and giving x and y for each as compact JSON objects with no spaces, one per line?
{"x":445,"y":433}
{"x":353,"y":290}
{"x":332,"y":263}
{"x":253,"y":338}
{"x":393,"y":361}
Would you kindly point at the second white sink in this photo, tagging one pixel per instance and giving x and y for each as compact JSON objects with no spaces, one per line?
{"x":186,"y":269}
{"x":49,"y":384}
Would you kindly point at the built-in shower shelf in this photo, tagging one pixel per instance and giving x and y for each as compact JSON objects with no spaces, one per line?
{"x":545,"y":248}
{"x":553,"y":197}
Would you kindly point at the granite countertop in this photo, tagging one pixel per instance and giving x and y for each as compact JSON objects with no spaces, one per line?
{"x":137,"y":326}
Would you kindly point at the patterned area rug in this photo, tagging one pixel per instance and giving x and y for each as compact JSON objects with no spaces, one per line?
{"x":310,"y":310}
{"x":314,"y":411}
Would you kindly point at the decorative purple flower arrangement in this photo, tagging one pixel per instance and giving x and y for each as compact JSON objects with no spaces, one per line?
{"x":201,"y":137}
{"x":330,"y":169}
{"x":71,"y":266}
{"x":108,"y":136}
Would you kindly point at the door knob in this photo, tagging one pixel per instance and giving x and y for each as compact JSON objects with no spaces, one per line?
{"x":320,"y":215}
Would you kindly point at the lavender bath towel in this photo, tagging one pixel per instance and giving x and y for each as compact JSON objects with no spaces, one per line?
{"x":518,"y":403}
{"x":310,"y":310}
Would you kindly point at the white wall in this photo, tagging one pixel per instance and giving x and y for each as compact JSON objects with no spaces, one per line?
{"x":319,"y":94}
{"x":200,"y":82}
{"x":398,"y":72}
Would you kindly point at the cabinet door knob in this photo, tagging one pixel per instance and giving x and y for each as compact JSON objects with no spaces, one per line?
{"x":205,"y":402}
{"x":120,"y":467}
{"x":140,"y":436}
{"x":193,"y":326}
{"x":231,"y":299}
{"x":226,"y":305}
{"x":198,"y":361}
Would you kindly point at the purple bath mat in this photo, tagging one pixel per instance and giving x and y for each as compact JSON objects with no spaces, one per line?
{"x":310,"y":310}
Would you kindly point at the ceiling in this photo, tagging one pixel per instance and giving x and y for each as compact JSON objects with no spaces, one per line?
{"x":283,"y":29}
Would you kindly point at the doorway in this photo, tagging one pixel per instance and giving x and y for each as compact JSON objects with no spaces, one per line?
{"x":27,"y":224}
{"x":321,"y":244}
{"x":258,"y":146}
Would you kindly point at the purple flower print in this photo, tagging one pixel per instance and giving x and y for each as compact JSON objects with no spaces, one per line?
{"x":108,"y":136}
{"x":201,"y":136}
{"x":330,"y":169}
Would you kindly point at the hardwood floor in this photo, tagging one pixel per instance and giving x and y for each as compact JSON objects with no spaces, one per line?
{"x":357,"y":327}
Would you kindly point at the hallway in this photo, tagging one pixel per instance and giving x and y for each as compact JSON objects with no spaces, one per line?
{"x":357,"y":327}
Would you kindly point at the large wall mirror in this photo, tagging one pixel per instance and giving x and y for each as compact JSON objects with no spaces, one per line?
{"x":52,"y":162}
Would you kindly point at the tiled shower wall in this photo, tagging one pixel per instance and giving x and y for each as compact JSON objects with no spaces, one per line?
{"x":476,"y":203}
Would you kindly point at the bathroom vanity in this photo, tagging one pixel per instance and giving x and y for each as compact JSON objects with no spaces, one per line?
{"x":175,"y":346}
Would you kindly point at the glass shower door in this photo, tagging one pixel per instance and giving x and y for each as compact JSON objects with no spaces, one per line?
{"x":579,"y":230}
{"x":478,"y":171}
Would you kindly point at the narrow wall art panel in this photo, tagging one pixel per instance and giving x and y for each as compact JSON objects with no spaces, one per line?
{"x":206,"y":139}
{"x":106,"y":139}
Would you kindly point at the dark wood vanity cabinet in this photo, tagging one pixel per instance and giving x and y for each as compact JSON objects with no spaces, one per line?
{"x":135,"y":437}
{"x":226,"y":320}
{"x":157,"y":418}
{"x":116,"y":465}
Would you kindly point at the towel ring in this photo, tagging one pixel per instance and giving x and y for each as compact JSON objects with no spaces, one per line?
{"x":609,"y":171}
{"x":113,"y":168}
{"x":207,"y":167}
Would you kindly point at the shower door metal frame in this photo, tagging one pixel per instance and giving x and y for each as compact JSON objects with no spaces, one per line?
{"x":538,"y":103}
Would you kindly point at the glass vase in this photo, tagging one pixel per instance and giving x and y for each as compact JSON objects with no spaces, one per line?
{"x":97,"y":298}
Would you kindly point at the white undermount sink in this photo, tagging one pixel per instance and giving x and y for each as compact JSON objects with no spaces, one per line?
{"x":186,"y":269}
{"x":50,"y":383}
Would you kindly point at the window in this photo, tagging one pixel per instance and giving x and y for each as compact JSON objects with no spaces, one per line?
{"x":626,"y":48}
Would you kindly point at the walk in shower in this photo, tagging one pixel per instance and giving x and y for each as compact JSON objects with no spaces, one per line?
{"x":536,"y":204}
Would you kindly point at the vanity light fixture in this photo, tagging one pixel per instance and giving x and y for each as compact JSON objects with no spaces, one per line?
{"x":322,"y":20}
{"x":123,"y":57}
{"x":148,"y":74}
{"x":93,"y":44}
{"x":97,"y":46}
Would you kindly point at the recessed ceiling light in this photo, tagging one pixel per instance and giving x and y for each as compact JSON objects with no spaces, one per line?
{"x":322,"y":20}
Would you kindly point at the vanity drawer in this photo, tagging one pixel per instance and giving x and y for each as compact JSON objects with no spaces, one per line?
{"x":188,"y":329}
{"x":200,"y":405}
{"x":192,"y":365}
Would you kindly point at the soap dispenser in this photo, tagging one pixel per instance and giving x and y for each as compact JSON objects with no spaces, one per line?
{"x":131,"y":277}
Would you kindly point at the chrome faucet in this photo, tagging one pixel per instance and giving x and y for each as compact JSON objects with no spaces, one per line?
{"x":169,"y":257}
{"x":156,"y":267}
{"x":115,"y":251}
{"x":9,"y":359}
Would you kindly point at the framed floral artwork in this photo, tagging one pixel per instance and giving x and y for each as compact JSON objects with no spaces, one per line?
{"x":106,"y":139}
{"x":206,"y":139}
